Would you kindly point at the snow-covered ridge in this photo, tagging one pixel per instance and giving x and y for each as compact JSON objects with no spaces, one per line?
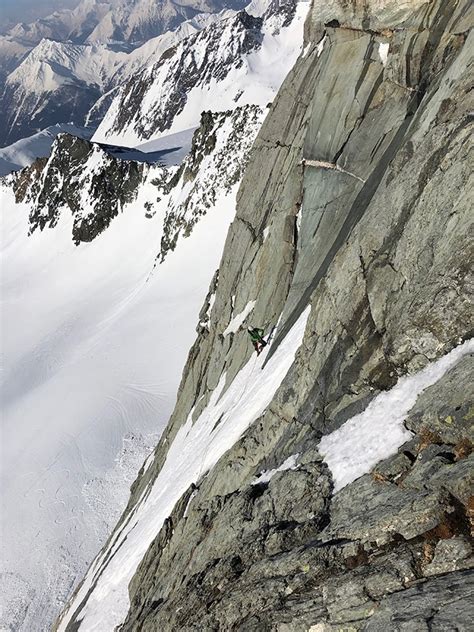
{"x":219,"y":154}
{"x":237,"y":61}
{"x":94,"y":185}
{"x":97,"y":21}
{"x":62,"y":73}
{"x":25,"y":151}
{"x":52,"y":64}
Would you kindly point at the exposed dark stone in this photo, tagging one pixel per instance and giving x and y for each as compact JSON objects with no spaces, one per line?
{"x":66,"y":178}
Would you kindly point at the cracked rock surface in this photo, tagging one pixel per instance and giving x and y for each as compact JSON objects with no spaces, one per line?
{"x":383,"y":261}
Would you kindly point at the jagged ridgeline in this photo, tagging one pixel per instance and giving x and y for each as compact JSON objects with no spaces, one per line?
{"x":325,"y":485}
{"x":81,"y":175}
{"x":61,"y":68}
{"x":83,"y":179}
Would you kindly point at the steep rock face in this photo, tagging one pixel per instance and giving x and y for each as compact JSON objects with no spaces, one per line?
{"x":353,"y":215}
{"x":102,"y":296}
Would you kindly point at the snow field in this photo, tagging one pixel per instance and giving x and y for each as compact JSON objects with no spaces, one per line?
{"x":93,"y":350}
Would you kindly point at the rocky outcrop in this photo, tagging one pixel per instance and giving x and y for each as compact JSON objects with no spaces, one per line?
{"x":95,"y":186}
{"x":354,"y":203}
{"x":228,"y":157}
{"x":76,"y":171}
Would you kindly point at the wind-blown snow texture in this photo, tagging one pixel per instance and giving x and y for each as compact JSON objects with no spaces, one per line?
{"x":375,"y":434}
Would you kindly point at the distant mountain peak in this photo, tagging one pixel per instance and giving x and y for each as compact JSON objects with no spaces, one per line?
{"x":229,"y":58}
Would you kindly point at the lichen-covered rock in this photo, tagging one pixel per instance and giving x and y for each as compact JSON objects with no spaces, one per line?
{"x":445,"y":414}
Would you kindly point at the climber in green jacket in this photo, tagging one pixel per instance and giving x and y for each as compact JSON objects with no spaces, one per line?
{"x":256,"y":336}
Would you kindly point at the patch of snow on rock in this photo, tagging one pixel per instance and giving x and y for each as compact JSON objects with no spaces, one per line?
{"x":376,"y":433}
{"x":383,"y":52}
{"x":237,"y":321}
{"x":267,"y":475}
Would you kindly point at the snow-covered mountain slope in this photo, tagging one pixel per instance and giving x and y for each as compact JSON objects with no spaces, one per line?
{"x":151,"y":51}
{"x":94,"y":338}
{"x":11,"y":54}
{"x":25,"y":151}
{"x":56,"y":83}
{"x":119,"y":25}
{"x":110,"y":21}
{"x":145,"y":56}
{"x":68,"y":24}
{"x":60,"y":76}
{"x":143,"y":19}
{"x":236,"y":61}
{"x":325,"y":484}
{"x":51,"y":65}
